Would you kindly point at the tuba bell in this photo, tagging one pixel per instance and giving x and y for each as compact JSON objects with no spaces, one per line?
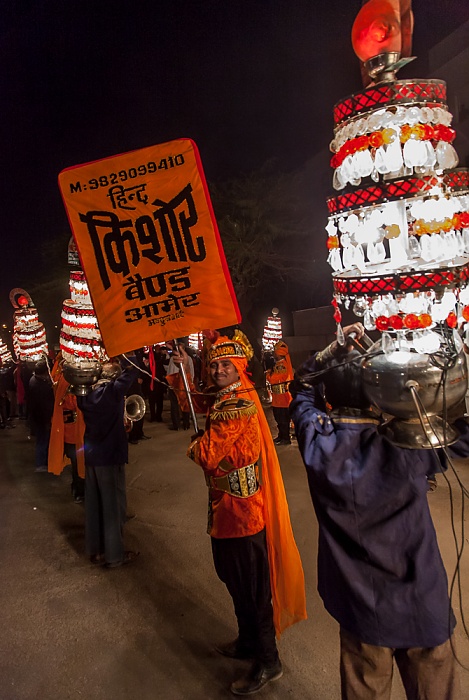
{"x":134,"y":409}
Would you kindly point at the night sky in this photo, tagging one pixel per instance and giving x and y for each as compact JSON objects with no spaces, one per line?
{"x":247,"y":80}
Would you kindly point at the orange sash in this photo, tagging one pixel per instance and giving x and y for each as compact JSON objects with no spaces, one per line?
{"x":57,"y":461}
{"x":286,"y":570}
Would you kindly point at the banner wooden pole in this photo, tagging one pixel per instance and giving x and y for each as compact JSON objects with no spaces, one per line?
{"x":186,"y":387}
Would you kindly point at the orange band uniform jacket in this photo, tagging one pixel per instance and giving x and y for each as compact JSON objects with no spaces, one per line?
{"x":231,"y":441}
{"x":279,"y":377}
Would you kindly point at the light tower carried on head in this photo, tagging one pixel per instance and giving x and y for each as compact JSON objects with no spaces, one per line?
{"x":398,"y":229}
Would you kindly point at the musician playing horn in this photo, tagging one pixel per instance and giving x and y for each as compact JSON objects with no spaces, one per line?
{"x":106,"y":453}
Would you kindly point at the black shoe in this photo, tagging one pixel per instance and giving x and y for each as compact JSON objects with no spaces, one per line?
{"x":78,"y":499}
{"x":173,"y":427}
{"x":283,"y":442}
{"x":133,"y":442}
{"x":159,"y":420}
{"x":256,"y":679}
{"x":129,"y":557}
{"x":277,"y":439}
{"x":145,"y":437}
{"x":234,"y":650}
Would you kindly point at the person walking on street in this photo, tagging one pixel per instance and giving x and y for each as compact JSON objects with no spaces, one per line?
{"x":66,"y":440}
{"x":157,"y":386}
{"x":253,"y":547}
{"x":106,"y":453}
{"x":279,"y":378}
{"x":40,"y":410}
{"x":180,"y":413}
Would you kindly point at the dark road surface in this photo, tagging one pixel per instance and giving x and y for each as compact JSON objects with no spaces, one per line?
{"x":70,"y":630}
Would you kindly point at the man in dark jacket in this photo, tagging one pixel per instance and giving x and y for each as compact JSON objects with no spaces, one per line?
{"x":380,"y":572}
{"x":106,"y":453}
{"x":40,"y":409}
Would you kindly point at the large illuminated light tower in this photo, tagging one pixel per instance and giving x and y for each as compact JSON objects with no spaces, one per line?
{"x":5,"y":355}
{"x":398,"y":227}
{"x":80,"y":337}
{"x":29,"y":334}
{"x":195,"y":341}
{"x":81,"y":344}
{"x":272,"y":331}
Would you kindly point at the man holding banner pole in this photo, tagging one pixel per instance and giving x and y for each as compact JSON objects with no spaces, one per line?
{"x":149,"y":245}
{"x":253,"y":547}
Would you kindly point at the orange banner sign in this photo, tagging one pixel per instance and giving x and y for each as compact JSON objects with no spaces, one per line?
{"x":149,"y":245}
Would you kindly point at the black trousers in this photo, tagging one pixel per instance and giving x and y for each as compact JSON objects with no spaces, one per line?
{"x":155,"y":401}
{"x":105,"y":509}
{"x":282,"y":418}
{"x":242,"y":564}
{"x":78,"y":484}
{"x":136,"y":431}
{"x":175,"y":410}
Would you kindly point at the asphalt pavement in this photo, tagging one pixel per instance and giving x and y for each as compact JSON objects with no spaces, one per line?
{"x":70,"y":630}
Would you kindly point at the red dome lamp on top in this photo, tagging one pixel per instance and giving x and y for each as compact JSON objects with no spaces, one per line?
{"x":381,"y":37}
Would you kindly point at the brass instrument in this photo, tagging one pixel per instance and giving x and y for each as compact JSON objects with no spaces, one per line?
{"x":134,"y":409}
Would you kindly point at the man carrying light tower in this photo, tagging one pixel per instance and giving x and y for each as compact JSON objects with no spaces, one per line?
{"x":380,"y":572}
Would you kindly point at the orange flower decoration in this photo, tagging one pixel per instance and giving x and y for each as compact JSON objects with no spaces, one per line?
{"x":425,"y":320}
{"x":396,"y":322}
{"x":452,"y":319}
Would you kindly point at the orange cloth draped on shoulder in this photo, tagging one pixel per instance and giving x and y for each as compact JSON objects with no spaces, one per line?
{"x":176,"y":383}
{"x":286,"y":570}
{"x":281,"y":373}
{"x":57,"y":461}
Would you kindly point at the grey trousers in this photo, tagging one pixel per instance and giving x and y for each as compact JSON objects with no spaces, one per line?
{"x":366,"y":671}
{"x":105,"y":509}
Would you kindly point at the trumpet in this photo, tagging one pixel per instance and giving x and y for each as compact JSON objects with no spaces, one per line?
{"x":134,"y":409}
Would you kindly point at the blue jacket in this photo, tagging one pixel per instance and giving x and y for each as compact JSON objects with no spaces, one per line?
{"x":380,"y":572}
{"x":105,"y":440}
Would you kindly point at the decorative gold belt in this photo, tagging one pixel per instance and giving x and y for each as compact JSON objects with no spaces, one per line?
{"x":242,"y":482}
{"x":280,"y":388}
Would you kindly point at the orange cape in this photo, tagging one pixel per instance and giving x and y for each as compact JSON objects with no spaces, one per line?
{"x":57,"y":461}
{"x":286,"y":570}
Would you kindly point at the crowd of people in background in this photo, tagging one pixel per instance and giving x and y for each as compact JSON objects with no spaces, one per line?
{"x":36,"y":392}
{"x":373,"y":582}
